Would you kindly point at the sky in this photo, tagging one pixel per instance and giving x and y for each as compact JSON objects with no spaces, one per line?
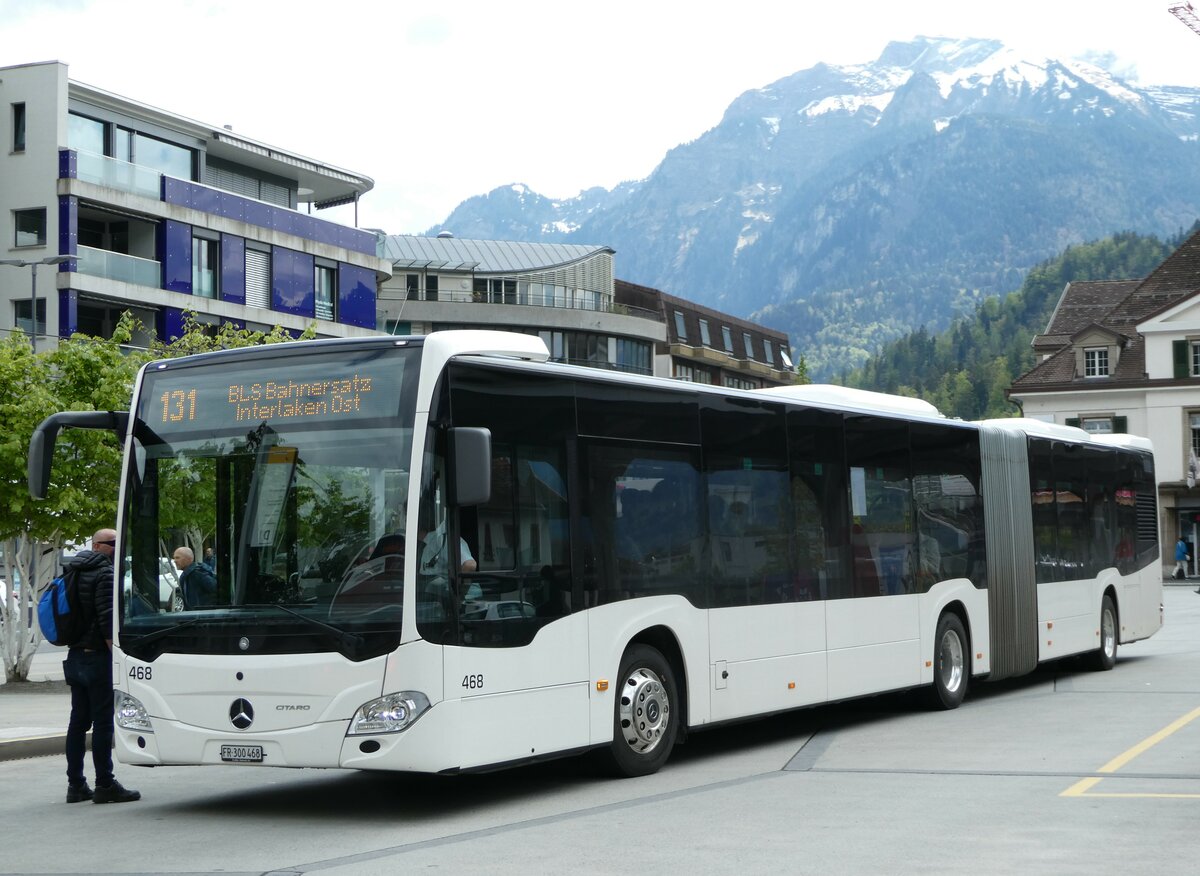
{"x":437,"y":102}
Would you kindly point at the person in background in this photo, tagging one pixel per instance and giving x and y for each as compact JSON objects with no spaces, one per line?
{"x":210,"y":560}
{"x":88,"y":671}
{"x":196,"y":580}
{"x":1181,"y":558}
{"x":435,"y":553}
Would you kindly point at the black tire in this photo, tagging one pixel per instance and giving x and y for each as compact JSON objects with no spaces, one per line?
{"x":951,"y":664}
{"x":1104,"y":658}
{"x":645,"y":713}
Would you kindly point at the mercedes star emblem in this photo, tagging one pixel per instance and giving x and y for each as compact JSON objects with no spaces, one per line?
{"x":241,"y":713}
{"x":244,"y":643}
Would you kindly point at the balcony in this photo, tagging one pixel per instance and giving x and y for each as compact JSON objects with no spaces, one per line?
{"x":120,"y":175}
{"x":120,"y":267}
{"x":149,"y":183}
{"x":581,"y":301}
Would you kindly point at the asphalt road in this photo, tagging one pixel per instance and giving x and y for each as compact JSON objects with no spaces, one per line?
{"x":1065,"y":771}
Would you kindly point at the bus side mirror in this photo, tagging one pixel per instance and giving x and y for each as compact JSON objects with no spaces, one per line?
{"x":472,"y":449}
{"x":41,"y":442}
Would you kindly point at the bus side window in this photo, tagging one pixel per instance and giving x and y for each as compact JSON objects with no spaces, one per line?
{"x":748,"y":502}
{"x":946,"y":477}
{"x":642,"y":523}
{"x":821,"y":528}
{"x":877,"y":450}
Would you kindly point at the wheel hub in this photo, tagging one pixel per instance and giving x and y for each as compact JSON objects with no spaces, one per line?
{"x":1108,"y":633}
{"x":645,"y":710}
{"x":950,"y":661}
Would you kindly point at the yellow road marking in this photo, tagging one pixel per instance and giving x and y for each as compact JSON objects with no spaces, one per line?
{"x":1081,"y":788}
{"x":1106,"y":794}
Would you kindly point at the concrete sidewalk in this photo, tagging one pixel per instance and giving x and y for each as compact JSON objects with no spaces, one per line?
{"x":34,"y":715}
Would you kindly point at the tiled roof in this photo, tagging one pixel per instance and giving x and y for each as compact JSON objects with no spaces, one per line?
{"x":1086,"y":302}
{"x":1176,"y":279}
{"x":1060,"y":369}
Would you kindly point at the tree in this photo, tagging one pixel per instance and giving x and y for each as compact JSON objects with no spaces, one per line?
{"x":801,"y":378}
{"x":81,"y":374}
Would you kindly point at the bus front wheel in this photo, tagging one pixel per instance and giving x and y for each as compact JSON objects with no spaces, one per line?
{"x":645,"y":719}
{"x":950,"y":663}
{"x":1105,"y":657}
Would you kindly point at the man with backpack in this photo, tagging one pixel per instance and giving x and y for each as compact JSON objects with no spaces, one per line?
{"x":88,"y":671}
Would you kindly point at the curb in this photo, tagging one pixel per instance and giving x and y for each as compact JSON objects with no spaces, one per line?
{"x":37,"y":746}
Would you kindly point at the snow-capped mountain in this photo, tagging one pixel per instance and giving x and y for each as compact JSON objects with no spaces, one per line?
{"x":849,"y":204}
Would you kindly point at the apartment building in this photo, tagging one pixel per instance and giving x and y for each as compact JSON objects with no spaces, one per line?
{"x":155,"y":213}
{"x":566,"y":294}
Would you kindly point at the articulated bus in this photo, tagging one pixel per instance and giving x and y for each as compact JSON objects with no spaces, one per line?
{"x":446,"y":554}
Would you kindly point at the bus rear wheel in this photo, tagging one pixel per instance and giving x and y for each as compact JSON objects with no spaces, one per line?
{"x":951,"y":670}
{"x":645,"y":719}
{"x":1105,"y":657}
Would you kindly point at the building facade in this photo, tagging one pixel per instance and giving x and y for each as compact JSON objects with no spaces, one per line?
{"x":1125,"y":357}
{"x":158,"y":214}
{"x":561,"y":292}
{"x":566,"y":294}
{"x":703,"y":345}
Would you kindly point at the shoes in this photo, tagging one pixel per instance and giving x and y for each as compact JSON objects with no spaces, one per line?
{"x":1198,"y":589}
{"x":115,"y":793}
{"x":78,"y":793}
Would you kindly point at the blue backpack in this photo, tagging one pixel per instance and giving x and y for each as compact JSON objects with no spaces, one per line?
{"x":60,"y":614}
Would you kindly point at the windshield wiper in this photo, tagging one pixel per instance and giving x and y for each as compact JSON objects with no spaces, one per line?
{"x":148,"y":638}
{"x":350,"y":641}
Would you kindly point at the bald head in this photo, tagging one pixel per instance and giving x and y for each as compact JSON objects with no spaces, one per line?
{"x":183,"y":557}
{"x":104,"y":541}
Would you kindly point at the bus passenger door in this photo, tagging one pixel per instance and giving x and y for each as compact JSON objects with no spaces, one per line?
{"x":516,"y":654}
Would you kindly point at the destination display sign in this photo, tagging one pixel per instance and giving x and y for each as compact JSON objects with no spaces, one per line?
{"x":276,"y":391}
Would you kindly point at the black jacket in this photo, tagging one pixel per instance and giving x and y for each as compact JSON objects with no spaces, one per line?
{"x":95,"y":586}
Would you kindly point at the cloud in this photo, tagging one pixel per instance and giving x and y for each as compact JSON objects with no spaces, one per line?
{"x":1113,"y":63}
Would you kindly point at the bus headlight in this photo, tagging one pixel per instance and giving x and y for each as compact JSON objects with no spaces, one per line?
{"x":130,"y":714}
{"x":389,"y":714}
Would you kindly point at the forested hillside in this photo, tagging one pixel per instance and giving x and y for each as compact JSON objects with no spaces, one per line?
{"x":965,"y":369}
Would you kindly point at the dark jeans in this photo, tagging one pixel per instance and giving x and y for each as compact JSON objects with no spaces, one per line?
{"x":89,"y":673}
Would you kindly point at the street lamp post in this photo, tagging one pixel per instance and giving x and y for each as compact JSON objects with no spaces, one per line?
{"x":33,"y":265}
{"x":34,"y":547}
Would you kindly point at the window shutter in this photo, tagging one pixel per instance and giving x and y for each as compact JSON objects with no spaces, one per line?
{"x":1121,"y":425}
{"x":1073,"y":421}
{"x":1179,"y":353}
{"x":258,"y":278}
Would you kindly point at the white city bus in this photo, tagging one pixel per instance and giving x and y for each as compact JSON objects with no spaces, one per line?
{"x":446,"y":554}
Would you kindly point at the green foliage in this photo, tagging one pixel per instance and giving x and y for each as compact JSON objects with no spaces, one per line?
{"x":198,"y":338}
{"x":802,"y":377}
{"x":81,"y":374}
{"x":966,"y":369}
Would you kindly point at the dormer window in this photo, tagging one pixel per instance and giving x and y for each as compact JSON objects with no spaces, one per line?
{"x":1095,"y":362}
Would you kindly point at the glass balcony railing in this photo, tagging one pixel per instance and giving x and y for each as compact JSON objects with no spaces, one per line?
{"x":116,"y":174}
{"x":207,"y":198}
{"x":118,"y":266}
{"x":579,"y":300}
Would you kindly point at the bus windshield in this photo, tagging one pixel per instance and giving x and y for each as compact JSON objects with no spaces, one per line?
{"x":265,"y":503}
